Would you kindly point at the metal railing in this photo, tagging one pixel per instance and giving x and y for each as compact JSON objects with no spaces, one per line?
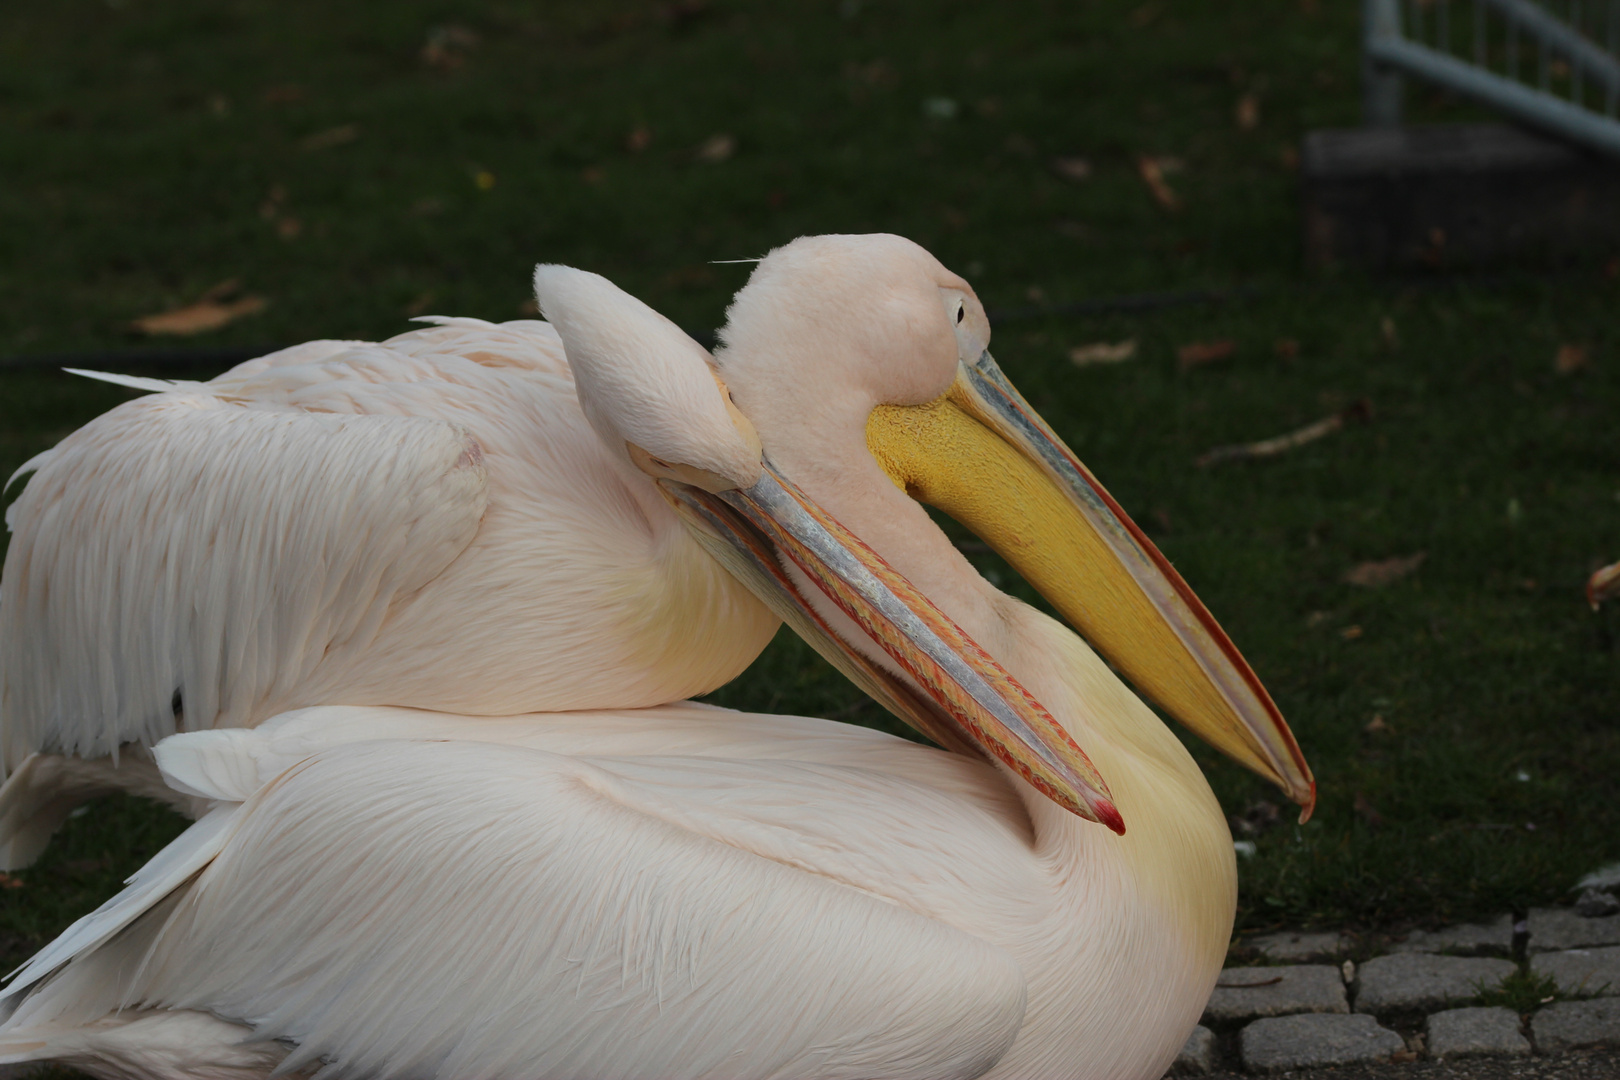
{"x":1553,"y":66}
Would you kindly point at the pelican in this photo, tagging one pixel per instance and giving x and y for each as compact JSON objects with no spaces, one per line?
{"x":692,"y":892}
{"x":424,"y":522}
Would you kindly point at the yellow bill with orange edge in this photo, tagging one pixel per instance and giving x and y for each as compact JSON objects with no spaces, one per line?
{"x":982,"y":455}
{"x":951,"y":689}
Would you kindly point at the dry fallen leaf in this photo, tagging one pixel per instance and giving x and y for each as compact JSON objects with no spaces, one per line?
{"x":1367,"y":812}
{"x":1247,"y":112}
{"x":9,"y":882}
{"x":1204,"y":352}
{"x":1145,"y":14}
{"x":717,"y":148}
{"x":1377,"y":724}
{"x":1072,"y":168}
{"x":1373,"y":575}
{"x":1604,"y":584}
{"x":639,"y":139}
{"x":1570,"y":359}
{"x":1360,"y":410}
{"x":210,"y":311}
{"x":283,"y":94}
{"x":1102,"y":352}
{"x":1350,"y":633}
{"x":325,"y":140}
{"x":1152,"y":170}
{"x":447,"y":46}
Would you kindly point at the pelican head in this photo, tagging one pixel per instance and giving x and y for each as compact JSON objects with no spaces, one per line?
{"x":859,"y":368}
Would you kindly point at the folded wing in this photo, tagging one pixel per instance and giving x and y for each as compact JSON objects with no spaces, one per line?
{"x":461,"y":909}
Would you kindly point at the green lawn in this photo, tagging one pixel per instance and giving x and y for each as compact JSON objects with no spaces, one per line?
{"x":358,"y":163}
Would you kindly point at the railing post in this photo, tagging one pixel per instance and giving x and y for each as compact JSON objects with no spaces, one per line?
{"x":1380,"y":83}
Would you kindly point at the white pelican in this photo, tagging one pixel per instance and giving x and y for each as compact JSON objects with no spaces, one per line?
{"x":688,"y":892}
{"x":426,"y":522}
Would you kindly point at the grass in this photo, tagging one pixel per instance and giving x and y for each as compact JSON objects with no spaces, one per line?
{"x":157,"y":147}
{"x":1523,"y":991}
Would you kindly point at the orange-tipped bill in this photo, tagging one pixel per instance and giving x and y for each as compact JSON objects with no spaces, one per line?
{"x":950,"y":688}
{"x":983,"y":455}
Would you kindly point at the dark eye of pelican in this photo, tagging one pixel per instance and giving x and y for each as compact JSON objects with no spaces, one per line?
{"x":961,"y":310}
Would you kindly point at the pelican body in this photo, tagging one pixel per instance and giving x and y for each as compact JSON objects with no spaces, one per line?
{"x":685,"y":891}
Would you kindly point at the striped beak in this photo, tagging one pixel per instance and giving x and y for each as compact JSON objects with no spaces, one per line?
{"x":936,"y":677}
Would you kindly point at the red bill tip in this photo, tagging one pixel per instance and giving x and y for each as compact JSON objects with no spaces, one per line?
{"x":1109,"y":816}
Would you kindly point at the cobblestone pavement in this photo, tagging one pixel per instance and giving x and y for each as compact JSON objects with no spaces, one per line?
{"x":1426,"y":1004}
{"x":1579,"y":1065}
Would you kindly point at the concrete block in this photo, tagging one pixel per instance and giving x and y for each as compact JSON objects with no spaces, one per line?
{"x":1564,"y":928}
{"x":1315,"y":1041}
{"x":1246,"y":993}
{"x":1495,"y":936}
{"x":1471,"y":1032}
{"x":1582,"y":971}
{"x":1449,"y":194}
{"x":1572,"y":1025}
{"x":1197,"y":1055}
{"x":1291,"y":946}
{"x":1419,"y":982}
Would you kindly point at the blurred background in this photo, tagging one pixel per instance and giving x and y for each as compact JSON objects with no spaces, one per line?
{"x":1119,"y":180}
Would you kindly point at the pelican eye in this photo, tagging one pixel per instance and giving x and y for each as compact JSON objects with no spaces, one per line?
{"x":961,"y":311}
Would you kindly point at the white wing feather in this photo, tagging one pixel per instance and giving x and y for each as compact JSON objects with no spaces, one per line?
{"x":426,"y":522}
{"x":467,"y":910}
{"x":185,"y":555}
{"x":165,"y":872}
{"x":132,"y":382}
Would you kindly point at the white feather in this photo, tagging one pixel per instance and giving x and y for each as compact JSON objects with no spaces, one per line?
{"x":134,"y":382}
{"x":426,"y":522}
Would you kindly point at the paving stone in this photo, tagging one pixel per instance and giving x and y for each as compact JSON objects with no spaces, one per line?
{"x":1245,"y":993}
{"x":1494,"y":936}
{"x":1597,"y":904}
{"x":1415,"y":981}
{"x":1467,"y":1032}
{"x":1571,"y":1025}
{"x":1582,"y":971}
{"x":1291,"y":945}
{"x":1198,"y":1055}
{"x":1563,"y":928}
{"x":1604,"y":877}
{"x":1315,"y":1040}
